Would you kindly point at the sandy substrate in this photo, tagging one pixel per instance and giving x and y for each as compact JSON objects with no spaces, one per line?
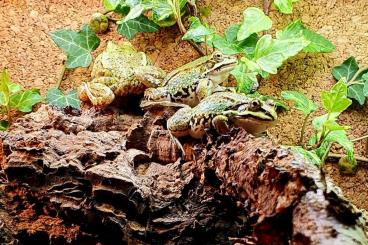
{"x":34,"y":61}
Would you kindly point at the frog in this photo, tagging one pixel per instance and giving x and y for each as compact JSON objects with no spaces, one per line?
{"x":119,"y":70}
{"x":220,"y":111}
{"x":192,"y":82}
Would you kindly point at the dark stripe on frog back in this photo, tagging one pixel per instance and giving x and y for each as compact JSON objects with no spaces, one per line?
{"x":186,"y":86}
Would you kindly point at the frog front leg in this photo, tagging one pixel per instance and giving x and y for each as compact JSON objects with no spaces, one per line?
{"x":150,"y":76}
{"x":220,"y":124}
{"x":97,"y":91}
{"x":205,"y":88}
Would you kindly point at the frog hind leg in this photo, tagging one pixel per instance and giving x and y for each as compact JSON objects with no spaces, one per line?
{"x":150,"y":76}
{"x":97,"y":92}
{"x":198,"y":128}
{"x":220,"y":124}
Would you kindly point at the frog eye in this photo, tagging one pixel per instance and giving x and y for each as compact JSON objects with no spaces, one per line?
{"x":254,"y":105}
{"x":218,"y":56}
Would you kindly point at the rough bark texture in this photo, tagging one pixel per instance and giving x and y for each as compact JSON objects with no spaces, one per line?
{"x":100,"y":177}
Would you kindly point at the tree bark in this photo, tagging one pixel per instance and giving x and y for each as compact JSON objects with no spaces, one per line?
{"x":99,"y":177}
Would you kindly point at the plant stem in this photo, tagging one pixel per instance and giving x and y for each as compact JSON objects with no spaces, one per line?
{"x":9,"y":114}
{"x":267,"y":6}
{"x":358,"y":158}
{"x":360,"y":138}
{"x":183,"y":30}
{"x":351,"y":81}
{"x":325,"y":154}
{"x":303,"y":130}
{"x":61,"y":76}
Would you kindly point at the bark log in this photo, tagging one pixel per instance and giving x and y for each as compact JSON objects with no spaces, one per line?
{"x":102,"y":177}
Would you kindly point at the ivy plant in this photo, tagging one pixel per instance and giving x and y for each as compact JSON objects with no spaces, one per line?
{"x":356,"y":79}
{"x":14,"y":97}
{"x":326,"y":128}
{"x":260,"y":55}
{"x":284,"y":6}
{"x":63,"y":100}
{"x":77,"y":45}
{"x":147,"y":15}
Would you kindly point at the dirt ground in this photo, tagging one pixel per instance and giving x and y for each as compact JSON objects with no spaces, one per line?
{"x":34,"y":61}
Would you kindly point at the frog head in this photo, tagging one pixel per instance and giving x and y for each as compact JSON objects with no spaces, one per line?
{"x":254,"y":115}
{"x":219,"y":67}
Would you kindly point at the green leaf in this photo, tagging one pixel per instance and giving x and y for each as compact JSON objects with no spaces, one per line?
{"x":230,"y":45}
{"x":302,"y":103}
{"x":254,"y":21}
{"x":163,"y":11}
{"x":134,"y":12}
{"x":77,"y":45}
{"x":346,"y":69}
{"x":131,"y":27}
{"x":356,"y":92}
{"x":197,"y":31}
{"x":336,"y":99}
{"x":331,"y":125}
{"x":246,"y":80}
{"x":4,"y":88}
{"x":318,"y":43}
{"x":270,"y":53}
{"x":110,"y":4}
{"x":25,"y":100}
{"x":365,"y":88}
{"x":342,"y":139}
{"x":310,"y":156}
{"x":357,"y":89}
{"x":318,"y":122}
{"x":284,"y":6}
{"x":4,"y":125}
{"x":57,"y":98}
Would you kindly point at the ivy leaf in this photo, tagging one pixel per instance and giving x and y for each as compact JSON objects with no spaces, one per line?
{"x":163,"y":13}
{"x":346,"y":69}
{"x":77,"y":45}
{"x":336,"y":99}
{"x":365,"y":88}
{"x":131,"y":27}
{"x":318,"y":43}
{"x":197,"y":31}
{"x":357,"y":89}
{"x":302,"y":103}
{"x":318,"y":122}
{"x":4,"y":88}
{"x":230,"y":45}
{"x":310,"y":156}
{"x":111,"y":4}
{"x":342,"y":139}
{"x":331,"y":125}
{"x":4,"y":125}
{"x":134,"y":12}
{"x":270,"y":53}
{"x":246,"y":80}
{"x":25,"y":100}
{"x":284,"y":6}
{"x":57,"y":98}
{"x":254,"y":21}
